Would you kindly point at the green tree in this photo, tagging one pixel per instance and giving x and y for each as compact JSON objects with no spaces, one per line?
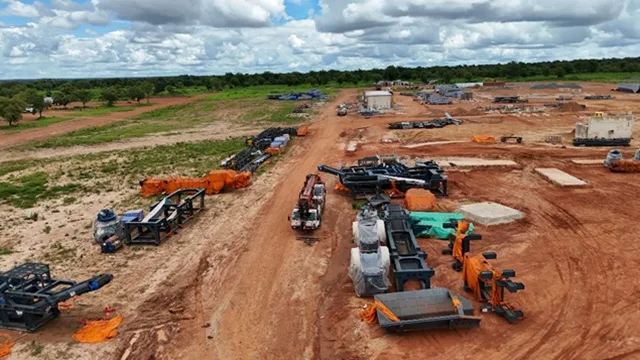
{"x":391,"y":73}
{"x":171,"y":90}
{"x":11,"y":109}
{"x":62,"y":98}
{"x":109,"y":95}
{"x":36,"y":100}
{"x":148,"y":88}
{"x":84,"y":96}
{"x":136,"y":93}
{"x":560,"y":72}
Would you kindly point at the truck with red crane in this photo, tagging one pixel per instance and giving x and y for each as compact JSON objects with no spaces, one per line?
{"x":307,"y":213}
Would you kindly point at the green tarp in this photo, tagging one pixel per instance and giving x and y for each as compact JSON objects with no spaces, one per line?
{"x":433,"y":222}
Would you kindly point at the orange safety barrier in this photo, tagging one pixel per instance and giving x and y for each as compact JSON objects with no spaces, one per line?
{"x":419,"y":200}
{"x":370,"y":315}
{"x":6,"y":344}
{"x":98,"y":331}
{"x":302,"y":131}
{"x":484,"y":139}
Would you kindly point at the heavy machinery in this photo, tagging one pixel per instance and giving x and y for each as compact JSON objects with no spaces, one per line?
{"x":307,"y":213}
{"x":505,"y":138}
{"x":342,"y":110}
{"x":480,"y":278}
{"x":432,"y":124}
{"x":428,"y":309}
{"x":407,"y":258}
{"x":165,"y":217}
{"x":370,"y":260}
{"x":459,"y":244}
{"x":488,"y":285}
{"x":509,"y":99}
{"x":615,"y":162}
{"x":390,"y":176}
{"x":29,"y":296}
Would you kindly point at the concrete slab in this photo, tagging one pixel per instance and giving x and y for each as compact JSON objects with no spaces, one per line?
{"x":489,"y":213}
{"x":473,"y":162}
{"x":588,"y":161}
{"x":560,"y":177}
{"x":414,"y":146}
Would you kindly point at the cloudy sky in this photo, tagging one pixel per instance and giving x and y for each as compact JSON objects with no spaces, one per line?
{"x":106,"y":38}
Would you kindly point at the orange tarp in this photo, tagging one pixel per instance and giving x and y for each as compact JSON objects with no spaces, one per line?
{"x":6,"y":344}
{"x":303,"y":131}
{"x":473,"y":266}
{"x":273,"y":151}
{"x":150,"y":186}
{"x":369,"y":314}
{"x":461,"y":232}
{"x":484,"y":139}
{"x":213,"y":183}
{"x":98,"y":331}
{"x":419,"y":200}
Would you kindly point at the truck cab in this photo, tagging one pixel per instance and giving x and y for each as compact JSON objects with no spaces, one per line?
{"x":296,"y":222}
{"x":312,"y":221}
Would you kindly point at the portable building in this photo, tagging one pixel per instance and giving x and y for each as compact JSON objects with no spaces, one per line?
{"x":377,"y":100}
{"x":606,"y":127}
{"x":632,"y":88}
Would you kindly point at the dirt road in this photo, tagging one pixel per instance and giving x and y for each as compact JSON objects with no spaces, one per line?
{"x":23,"y":137}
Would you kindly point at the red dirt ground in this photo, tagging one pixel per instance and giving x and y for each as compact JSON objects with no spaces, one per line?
{"x":11,"y":140}
{"x":268,"y":296}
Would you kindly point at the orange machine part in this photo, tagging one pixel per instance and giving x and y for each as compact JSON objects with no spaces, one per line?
{"x":461,"y":232}
{"x":394,"y":192}
{"x":484,"y":139}
{"x":473,"y":266}
{"x":303,"y":131}
{"x":419,"y":200}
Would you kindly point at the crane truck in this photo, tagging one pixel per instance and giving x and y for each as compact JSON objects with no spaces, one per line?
{"x":307,"y":213}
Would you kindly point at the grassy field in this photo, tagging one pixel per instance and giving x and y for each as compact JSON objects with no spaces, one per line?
{"x":104,"y":110}
{"x":24,"y":184}
{"x":254,"y":92}
{"x":243,"y":105}
{"x":27,"y":190}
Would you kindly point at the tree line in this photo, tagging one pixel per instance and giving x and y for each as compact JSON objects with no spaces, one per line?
{"x":113,"y":89}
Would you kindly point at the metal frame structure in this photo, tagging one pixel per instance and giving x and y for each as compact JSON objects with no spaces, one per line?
{"x":509,"y":99}
{"x":602,"y":142}
{"x":430,"y":309}
{"x":390,"y":176}
{"x":165,"y":217}
{"x":29,"y":296}
{"x":407,"y":258}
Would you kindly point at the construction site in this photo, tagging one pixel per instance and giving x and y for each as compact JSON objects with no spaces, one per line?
{"x":476,"y":221}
